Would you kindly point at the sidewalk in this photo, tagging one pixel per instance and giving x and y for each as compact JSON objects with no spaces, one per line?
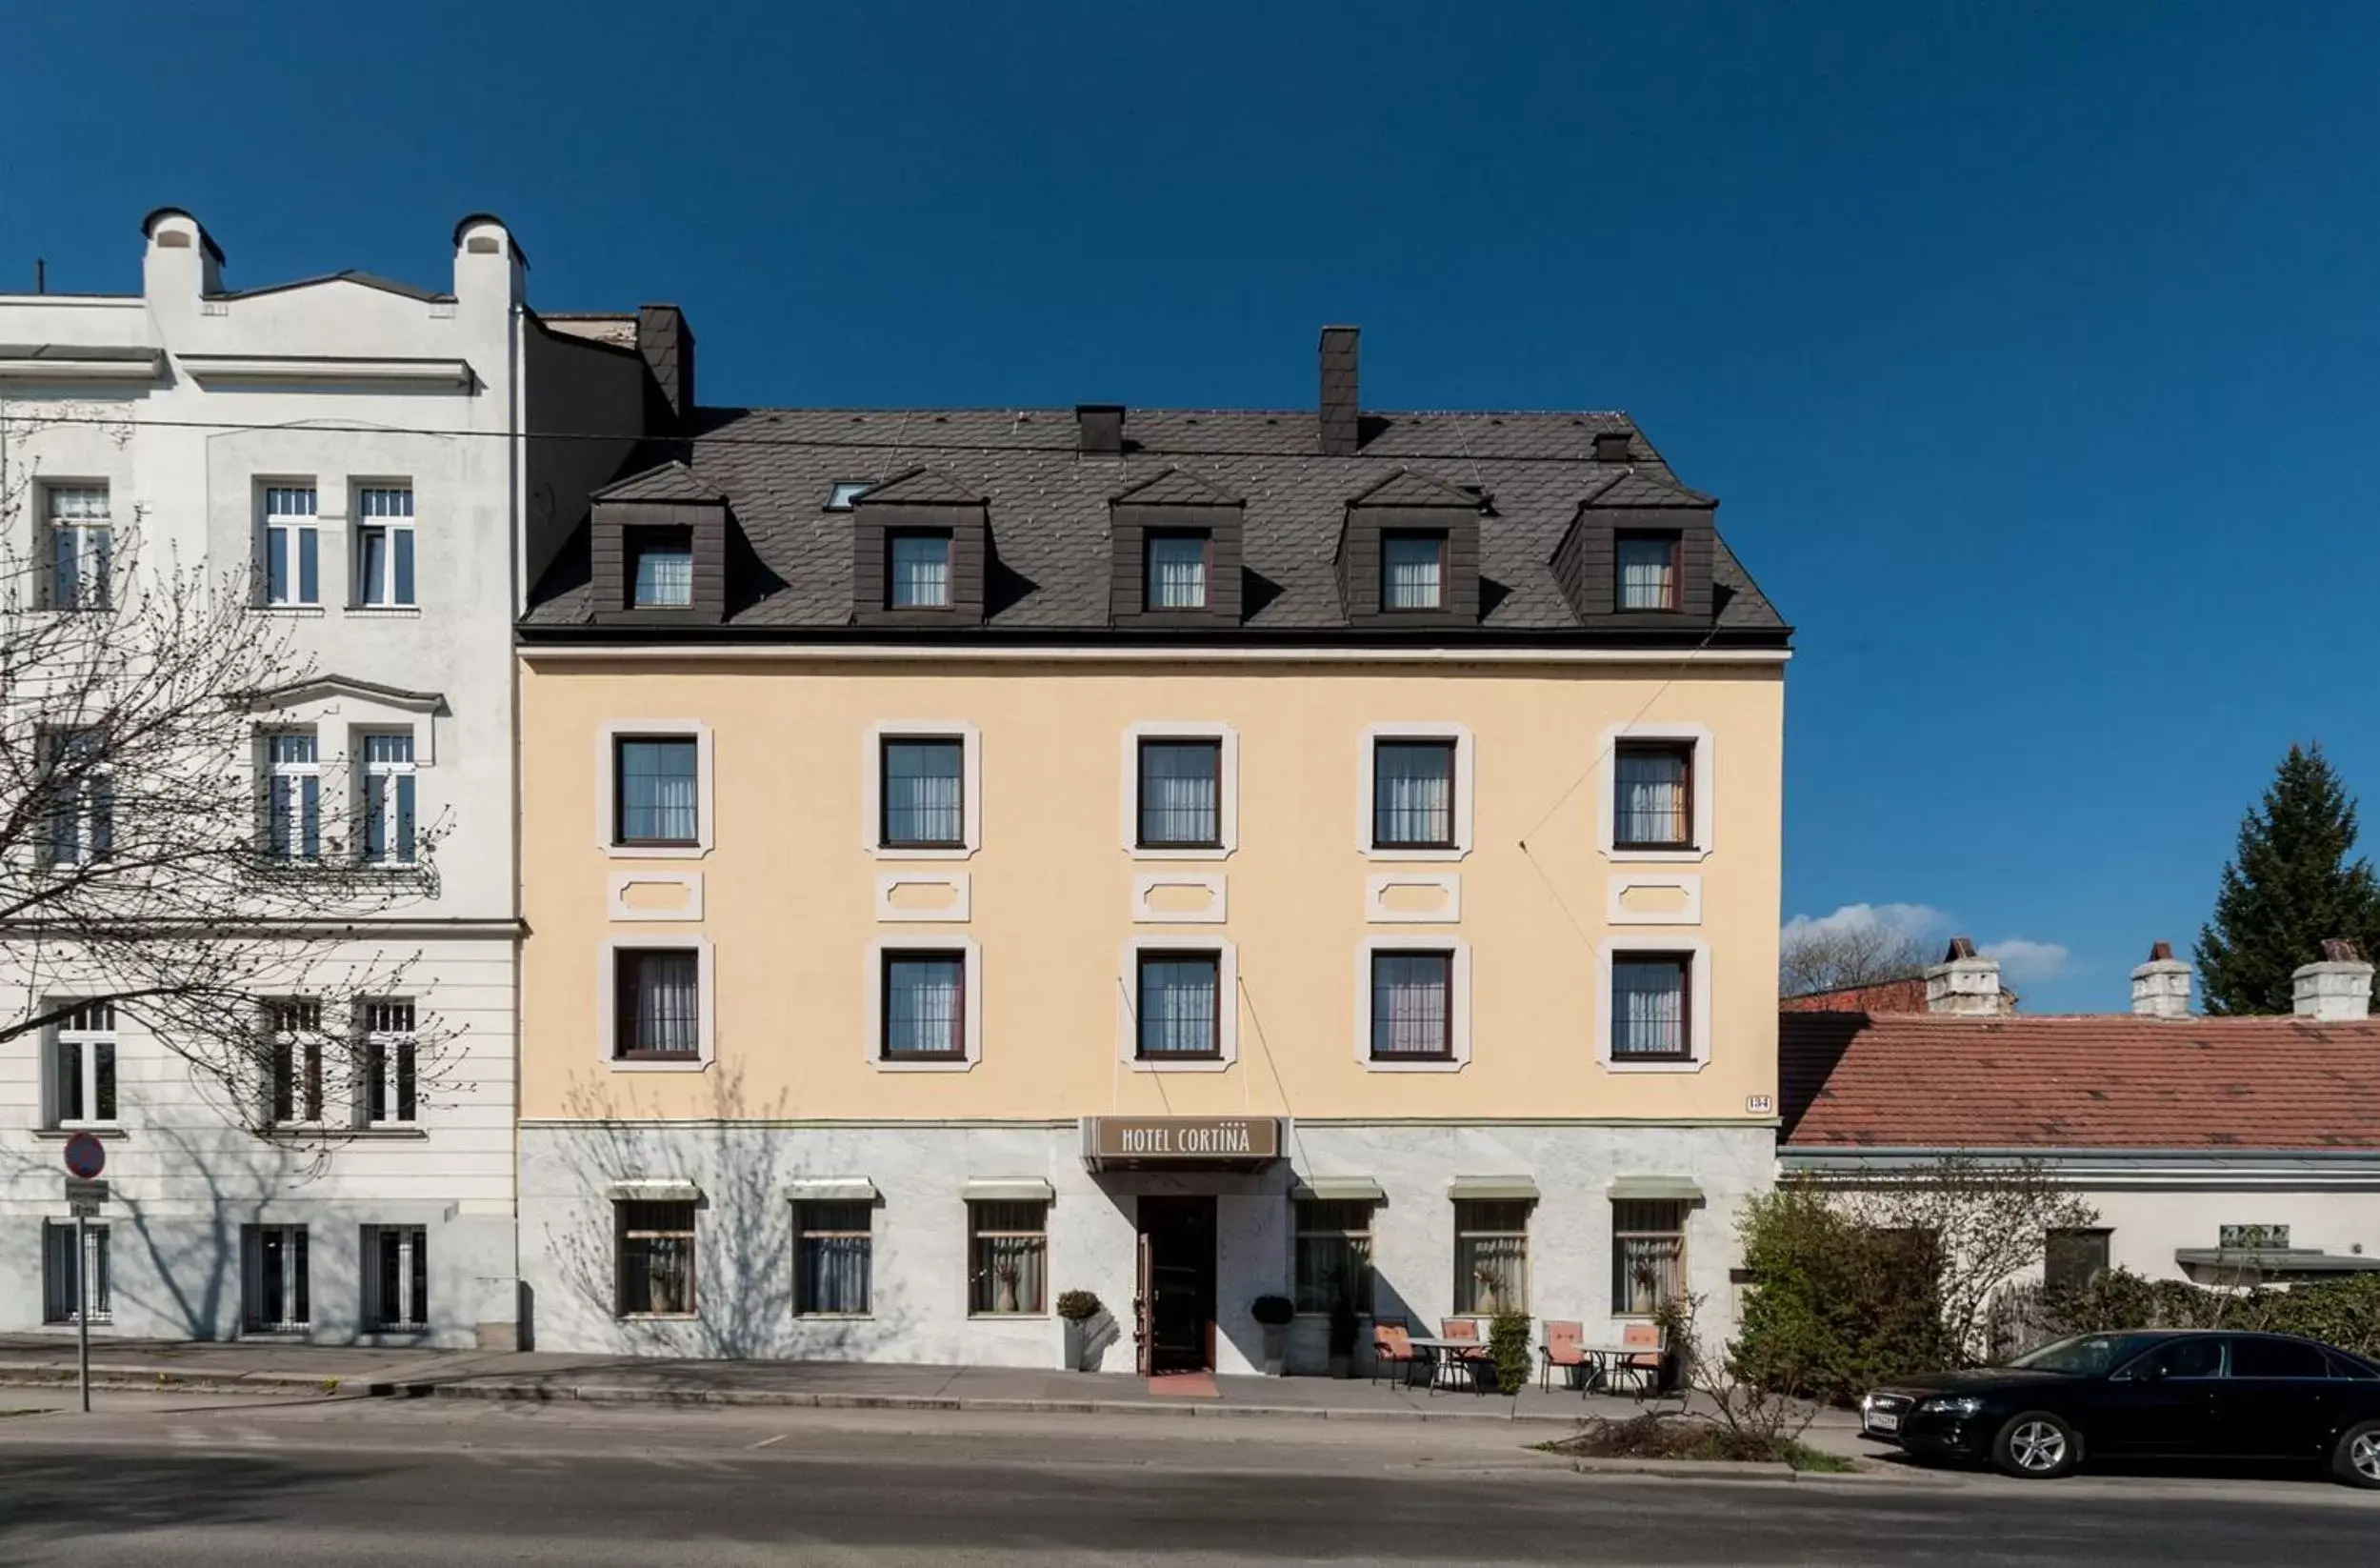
{"x":541,"y":1375}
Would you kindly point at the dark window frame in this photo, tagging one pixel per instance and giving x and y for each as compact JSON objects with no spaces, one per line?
{"x":1445,"y":956}
{"x":1213,"y":745}
{"x":634,"y":539}
{"x":625,"y":960}
{"x":1676,"y":541}
{"x":626,"y":1213}
{"x":1443,"y":540}
{"x":2052,"y":1269}
{"x":1683,"y":964}
{"x":811,"y":1217}
{"x":884,"y":792}
{"x":891,"y":956}
{"x":1682,"y":750}
{"x":620,"y":839}
{"x":1448,"y":745}
{"x":1141,"y":960}
{"x":1149,"y":538}
{"x":892,"y":539}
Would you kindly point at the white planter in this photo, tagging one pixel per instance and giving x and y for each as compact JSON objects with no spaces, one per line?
{"x":1087,"y":1341}
{"x":1277,"y":1347}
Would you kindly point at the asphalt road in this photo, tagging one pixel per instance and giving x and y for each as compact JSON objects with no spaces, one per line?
{"x":364,"y":1484}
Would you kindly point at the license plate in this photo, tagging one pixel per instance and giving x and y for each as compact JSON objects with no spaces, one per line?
{"x":1878,"y":1421}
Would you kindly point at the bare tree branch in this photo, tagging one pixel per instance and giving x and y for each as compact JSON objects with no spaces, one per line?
{"x":1833,"y":958}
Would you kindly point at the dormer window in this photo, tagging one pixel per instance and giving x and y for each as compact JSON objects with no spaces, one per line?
{"x":1413,"y":570}
{"x":845,"y":494}
{"x":1176,"y":573}
{"x":1647,"y":565}
{"x":661,"y":567}
{"x":917,"y":569}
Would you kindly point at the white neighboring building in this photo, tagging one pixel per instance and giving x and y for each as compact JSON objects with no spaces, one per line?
{"x":358,"y":444}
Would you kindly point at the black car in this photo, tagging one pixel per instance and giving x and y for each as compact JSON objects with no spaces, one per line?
{"x":2152,"y":1395}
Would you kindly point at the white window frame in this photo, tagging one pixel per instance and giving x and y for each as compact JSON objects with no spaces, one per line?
{"x":84,"y":529}
{"x":608,"y":1000}
{"x":366,"y":769}
{"x":971,"y":787}
{"x":1227,"y":788}
{"x":59,"y":1034}
{"x":1704,"y":787}
{"x":971,"y":1030}
{"x":299,"y":1046}
{"x":251,"y":1272}
{"x":390,"y":1043}
{"x":1227,"y":1002}
{"x":896,"y":536}
{"x":1465,"y":769}
{"x":414,"y":1317}
{"x":608,"y":785}
{"x":1697,"y":953}
{"x":297,"y":525}
{"x":56,"y":744}
{"x":389,"y":527}
{"x":295,"y":772}
{"x":1458,"y":1001}
{"x":58,"y":1235}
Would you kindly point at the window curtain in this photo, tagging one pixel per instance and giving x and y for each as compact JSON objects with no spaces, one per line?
{"x":1010,"y":1257}
{"x":921,"y":570}
{"x":1652,"y":798}
{"x":1410,"y":573}
{"x":1177,"y":573}
{"x":834,"y":1258}
{"x":1492,"y":1255}
{"x":656,"y":1257}
{"x":1648,"y":573}
{"x":1409,"y":1004}
{"x":925,"y":1008}
{"x":657,"y":779}
{"x":1647,"y":1255}
{"x":1177,"y":1006}
{"x":1412,"y":793}
{"x":1179,"y":792}
{"x":665,"y":567}
{"x":669,"y":1002}
{"x":1648,"y":1009}
{"x":1333,"y":1254}
{"x":921,"y":791}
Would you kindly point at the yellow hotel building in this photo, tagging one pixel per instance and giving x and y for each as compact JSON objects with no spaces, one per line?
{"x":1186,"y":856}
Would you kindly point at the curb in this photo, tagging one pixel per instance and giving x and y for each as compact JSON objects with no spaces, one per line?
{"x":1707,"y":1470}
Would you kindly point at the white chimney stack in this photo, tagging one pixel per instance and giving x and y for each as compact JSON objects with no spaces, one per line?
{"x":2161,"y":986}
{"x":2336,"y":988}
{"x":1964,"y":984}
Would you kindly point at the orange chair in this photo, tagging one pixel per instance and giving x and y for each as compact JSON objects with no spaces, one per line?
{"x":1459,"y":1328}
{"x":1565,"y":1347}
{"x":1644,"y":1354}
{"x":1391,"y":1346}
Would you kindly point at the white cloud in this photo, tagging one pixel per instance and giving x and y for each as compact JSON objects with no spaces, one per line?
{"x":1900,"y":919}
{"x":2026,"y":961}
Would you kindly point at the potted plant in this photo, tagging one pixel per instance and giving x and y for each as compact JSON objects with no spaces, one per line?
{"x":1484,"y":1300}
{"x":1004,"y":1274}
{"x":1088,"y":1330}
{"x":1272,"y":1314}
{"x":1343,"y":1326}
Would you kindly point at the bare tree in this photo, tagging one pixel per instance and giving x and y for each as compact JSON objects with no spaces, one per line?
{"x":146,"y":874}
{"x":1832,"y":958}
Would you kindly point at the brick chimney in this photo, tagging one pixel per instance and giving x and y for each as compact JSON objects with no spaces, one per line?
{"x":2161,"y":986}
{"x":2336,"y":988}
{"x":1964,"y":984}
{"x":668,"y":344}
{"x":1342,"y":429}
{"x":1099,"y":430}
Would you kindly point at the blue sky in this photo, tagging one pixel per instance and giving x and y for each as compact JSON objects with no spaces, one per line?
{"x":2035,"y":350}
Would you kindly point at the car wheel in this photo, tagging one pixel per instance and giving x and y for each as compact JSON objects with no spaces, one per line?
{"x":2036,"y":1446}
{"x":2357,"y":1460}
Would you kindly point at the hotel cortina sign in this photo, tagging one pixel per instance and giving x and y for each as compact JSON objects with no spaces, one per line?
{"x":1125,"y":1141}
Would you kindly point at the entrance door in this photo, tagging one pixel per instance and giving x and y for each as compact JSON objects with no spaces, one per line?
{"x":1177,"y":1239}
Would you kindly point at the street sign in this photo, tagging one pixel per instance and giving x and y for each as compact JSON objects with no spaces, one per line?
{"x":85,"y":1199}
{"x":85,"y":1156}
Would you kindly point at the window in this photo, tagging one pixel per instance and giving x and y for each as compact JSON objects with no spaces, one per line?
{"x":1653,"y":802}
{"x":2254,"y":1356}
{"x":293,"y":1041}
{"x":831,"y":1254}
{"x":925,"y":1006}
{"x":656,"y":1248}
{"x":385,"y":1064}
{"x":2074,"y":1259}
{"x":1007,"y":1258}
{"x":1490,"y":1255}
{"x":1647,"y":1255}
{"x":384,"y":544}
{"x":83,"y":1066}
{"x":917,"y":569}
{"x":658,"y":1014}
{"x":293,"y":546}
{"x":1412,"y":795}
{"x":1413,"y":571}
{"x":293,"y":798}
{"x":273,"y":1292}
{"x":924,"y":795}
{"x":1333,"y":1254}
{"x":396,"y":1279}
{"x":82,"y":799}
{"x":1176,"y":572}
{"x":844,"y":493}
{"x":1648,"y":569}
{"x":1412,"y":1006}
{"x":1179,"y":1009}
{"x":388,"y":803}
{"x":1181,"y":793}
{"x":81,"y":546}
{"x":63,"y":1273}
{"x":654,"y":790}
{"x":1649,"y":994}
{"x":2193,"y":1355}
{"x":660,"y":568}
{"x":2253,"y":1237}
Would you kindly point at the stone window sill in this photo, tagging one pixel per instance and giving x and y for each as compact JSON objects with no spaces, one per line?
{"x":109,"y":1129}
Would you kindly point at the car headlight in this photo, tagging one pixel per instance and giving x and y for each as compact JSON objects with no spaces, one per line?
{"x":1961,"y":1405}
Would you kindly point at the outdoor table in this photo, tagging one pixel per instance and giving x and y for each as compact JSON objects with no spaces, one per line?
{"x":1444,"y":1352}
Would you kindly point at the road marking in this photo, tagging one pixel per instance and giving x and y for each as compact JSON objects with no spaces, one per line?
{"x":766,"y":1441}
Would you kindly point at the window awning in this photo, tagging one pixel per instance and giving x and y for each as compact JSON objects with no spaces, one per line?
{"x":1492,"y":1187}
{"x":1675,"y":1189}
{"x":1338,"y":1189}
{"x":831,"y":1190}
{"x":654,"y":1190}
{"x":1011,"y":1190}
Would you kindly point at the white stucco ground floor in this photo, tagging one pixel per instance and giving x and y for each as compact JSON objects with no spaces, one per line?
{"x":951,"y":1243}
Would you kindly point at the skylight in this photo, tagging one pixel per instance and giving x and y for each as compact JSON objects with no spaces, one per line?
{"x":843,"y":493}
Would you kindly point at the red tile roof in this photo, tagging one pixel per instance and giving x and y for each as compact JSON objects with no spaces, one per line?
{"x":2104,"y":1081}
{"x":1907,"y":995}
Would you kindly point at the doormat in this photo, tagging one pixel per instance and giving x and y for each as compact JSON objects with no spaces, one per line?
{"x":1184,"y":1385}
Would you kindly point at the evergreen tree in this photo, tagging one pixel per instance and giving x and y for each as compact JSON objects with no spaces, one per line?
{"x":2289,"y":885}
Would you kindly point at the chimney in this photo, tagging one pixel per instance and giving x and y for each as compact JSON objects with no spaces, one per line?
{"x":1341,"y":430}
{"x":183,"y":265}
{"x":2161,"y":986}
{"x":1613,"y":445}
{"x":2337,"y":988}
{"x":1099,"y":430}
{"x":1963,"y":984}
{"x":668,"y":344}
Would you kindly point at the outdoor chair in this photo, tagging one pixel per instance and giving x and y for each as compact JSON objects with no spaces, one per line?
{"x":1393,"y":1347}
{"x":1645,"y":1351}
{"x":1565,"y":1347}
{"x":1459,"y":1360}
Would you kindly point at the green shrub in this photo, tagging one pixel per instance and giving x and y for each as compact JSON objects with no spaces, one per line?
{"x":1508,"y":1346}
{"x":1836,"y":1307}
{"x":1273,"y":1311}
{"x":2345,"y":1312}
{"x":1077,"y":1305}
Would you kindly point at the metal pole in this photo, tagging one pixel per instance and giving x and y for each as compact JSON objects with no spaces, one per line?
{"x":82,"y":1308}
